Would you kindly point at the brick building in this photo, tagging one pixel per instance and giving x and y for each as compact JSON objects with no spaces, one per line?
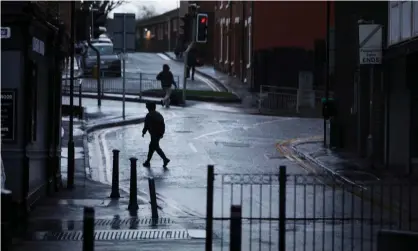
{"x":162,"y":33}
{"x":159,"y":33}
{"x":263,"y":42}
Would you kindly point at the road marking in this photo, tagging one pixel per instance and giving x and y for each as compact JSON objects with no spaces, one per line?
{"x":240,"y":127}
{"x":208,"y":82}
{"x":161,"y":55}
{"x":290,"y":158}
{"x":192,"y":147}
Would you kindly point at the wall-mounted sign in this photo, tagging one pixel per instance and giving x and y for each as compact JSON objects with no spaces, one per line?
{"x":5,"y":32}
{"x":8,"y":114}
{"x":370,"y":43}
{"x":38,"y":46}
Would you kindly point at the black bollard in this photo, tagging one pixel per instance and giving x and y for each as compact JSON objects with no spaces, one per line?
{"x":115,"y":175}
{"x":6,"y":217}
{"x":282,"y":208}
{"x":153,"y":198}
{"x":209,"y":208}
{"x":80,"y":97}
{"x":88,"y":229}
{"x":70,"y":162}
{"x":133,"y":197}
{"x":236,"y":228}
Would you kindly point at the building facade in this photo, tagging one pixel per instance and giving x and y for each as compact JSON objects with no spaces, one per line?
{"x":159,"y":33}
{"x":34,"y":47}
{"x":263,"y":42}
{"x":401,"y":64}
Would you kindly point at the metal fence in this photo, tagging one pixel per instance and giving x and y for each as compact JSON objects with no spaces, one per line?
{"x":134,"y":85}
{"x":308,"y":212}
{"x":288,"y":99}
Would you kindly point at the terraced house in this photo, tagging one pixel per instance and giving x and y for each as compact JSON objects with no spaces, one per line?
{"x":263,"y":42}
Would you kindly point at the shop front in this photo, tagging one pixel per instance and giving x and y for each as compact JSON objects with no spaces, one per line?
{"x":401,"y":59}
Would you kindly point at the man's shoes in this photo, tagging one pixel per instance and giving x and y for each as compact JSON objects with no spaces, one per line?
{"x":146,"y":164}
{"x":162,"y":102}
{"x":166,"y":161}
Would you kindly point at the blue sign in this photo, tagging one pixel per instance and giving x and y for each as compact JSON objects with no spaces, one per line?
{"x":5,"y":32}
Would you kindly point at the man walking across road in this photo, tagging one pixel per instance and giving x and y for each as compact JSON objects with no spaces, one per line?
{"x":154,"y":124}
{"x":167,"y":79}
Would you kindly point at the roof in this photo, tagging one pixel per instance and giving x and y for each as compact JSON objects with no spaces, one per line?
{"x":159,"y":19}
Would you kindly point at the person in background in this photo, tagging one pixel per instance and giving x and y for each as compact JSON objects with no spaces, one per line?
{"x":154,"y":124}
{"x":191,"y":61}
{"x":167,"y":80}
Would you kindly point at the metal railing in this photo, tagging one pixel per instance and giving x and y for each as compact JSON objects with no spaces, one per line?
{"x":287,"y":99}
{"x":114,"y":85}
{"x":308,"y":212}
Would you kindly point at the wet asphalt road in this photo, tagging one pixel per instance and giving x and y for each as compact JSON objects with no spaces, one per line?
{"x":320,"y":213}
{"x":143,"y":68}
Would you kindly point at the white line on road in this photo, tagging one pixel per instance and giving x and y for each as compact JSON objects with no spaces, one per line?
{"x":240,"y":127}
{"x":290,"y":158}
{"x":192,"y":147}
{"x":208,"y":82}
{"x":161,"y":55}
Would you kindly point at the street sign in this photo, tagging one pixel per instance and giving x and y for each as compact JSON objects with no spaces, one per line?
{"x":8,"y":114}
{"x":370,"y":44}
{"x":124,"y":29}
{"x":5,"y":32}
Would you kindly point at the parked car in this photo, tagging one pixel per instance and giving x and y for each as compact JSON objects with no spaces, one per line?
{"x":109,"y":60}
{"x":104,"y":40}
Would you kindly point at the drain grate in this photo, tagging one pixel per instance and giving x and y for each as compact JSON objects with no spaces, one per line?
{"x":141,"y":221}
{"x":116,"y":235}
{"x":183,"y":131}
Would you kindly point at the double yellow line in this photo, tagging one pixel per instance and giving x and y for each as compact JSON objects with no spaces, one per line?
{"x":282,"y":148}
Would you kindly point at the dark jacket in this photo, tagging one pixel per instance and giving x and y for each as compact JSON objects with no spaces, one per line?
{"x":154,"y":124}
{"x":192,"y":57}
{"x":166,"y":78}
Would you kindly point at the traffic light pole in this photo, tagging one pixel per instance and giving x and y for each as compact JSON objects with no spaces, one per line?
{"x":193,"y":16}
{"x":328,"y":21}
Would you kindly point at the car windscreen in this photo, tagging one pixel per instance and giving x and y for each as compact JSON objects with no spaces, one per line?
{"x":103,"y":49}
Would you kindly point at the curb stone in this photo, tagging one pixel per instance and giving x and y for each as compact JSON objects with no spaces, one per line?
{"x":190,"y":98}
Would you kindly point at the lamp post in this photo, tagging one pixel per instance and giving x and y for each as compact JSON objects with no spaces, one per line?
{"x":70,"y":160}
{"x":328,"y":21}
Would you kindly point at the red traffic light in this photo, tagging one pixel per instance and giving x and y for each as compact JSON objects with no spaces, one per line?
{"x":203,"y":20}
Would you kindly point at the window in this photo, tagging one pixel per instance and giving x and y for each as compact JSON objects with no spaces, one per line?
{"x":174,"y":24}
{"x":103,"y":50}
{"x":227,"y":41}
{"x":221,"y":40}
{"x":249,"y":42}
{"x":160,"y":34}
{"x":228,"y":3}
{"x":221,"y":4}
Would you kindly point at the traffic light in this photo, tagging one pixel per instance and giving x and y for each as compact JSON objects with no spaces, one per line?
{"x":186,"y":27}
{"x":202,"y":28}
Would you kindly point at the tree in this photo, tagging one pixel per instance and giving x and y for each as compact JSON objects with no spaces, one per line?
{"x":145,"y":12}
{"x":103,"y":7}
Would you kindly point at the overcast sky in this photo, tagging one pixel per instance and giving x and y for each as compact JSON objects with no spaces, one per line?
{"x":133,"y":6}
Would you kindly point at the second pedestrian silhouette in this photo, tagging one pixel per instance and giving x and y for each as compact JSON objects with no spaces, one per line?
{"x":154,"y":124}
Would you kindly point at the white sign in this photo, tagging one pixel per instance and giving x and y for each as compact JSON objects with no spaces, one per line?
{"x":5,"y":32}
{"x":370,"y":56}
{"x":370,"y":43}
{"x":38,"y":46}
